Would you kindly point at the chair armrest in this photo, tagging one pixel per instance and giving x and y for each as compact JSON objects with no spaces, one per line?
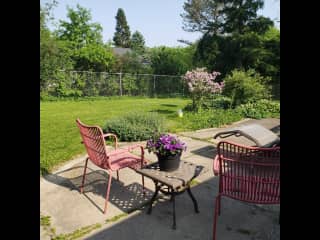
{"x":226,"y":134}
{"x":114,"y":136}
{"x":130,"y":148}
{"x":216,"y":165}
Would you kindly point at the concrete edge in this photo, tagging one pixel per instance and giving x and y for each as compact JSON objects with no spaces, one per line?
{"x":66,"y":166}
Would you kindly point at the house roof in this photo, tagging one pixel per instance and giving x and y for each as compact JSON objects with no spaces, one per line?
{"x":121,"y":51}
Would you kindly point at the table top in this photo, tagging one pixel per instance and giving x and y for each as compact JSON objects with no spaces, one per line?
{"x":174,"y":179}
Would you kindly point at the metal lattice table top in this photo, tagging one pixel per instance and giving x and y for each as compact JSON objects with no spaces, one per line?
{"x":174,"y":179}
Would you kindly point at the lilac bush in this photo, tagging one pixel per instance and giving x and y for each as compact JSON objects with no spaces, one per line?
{"x":201,"y":84}
{"x":165,"y":145}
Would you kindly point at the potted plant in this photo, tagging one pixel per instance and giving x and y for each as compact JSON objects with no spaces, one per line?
{"x":168,"y":149}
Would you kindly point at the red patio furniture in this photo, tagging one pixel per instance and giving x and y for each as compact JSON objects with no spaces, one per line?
{"x":257,"y":134}
{"x":94,"y":141}
{"x":248,"y":174}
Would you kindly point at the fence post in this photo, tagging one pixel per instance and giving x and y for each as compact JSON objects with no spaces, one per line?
{"x":154,"y":84}
{"x":183,"y":86}
{"x":120,"y":83}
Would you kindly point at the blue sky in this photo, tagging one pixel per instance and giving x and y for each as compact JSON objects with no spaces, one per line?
{"x":159,"y":21}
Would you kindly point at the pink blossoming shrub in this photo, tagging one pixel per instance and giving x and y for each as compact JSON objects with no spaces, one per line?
{"x":201,"y":84}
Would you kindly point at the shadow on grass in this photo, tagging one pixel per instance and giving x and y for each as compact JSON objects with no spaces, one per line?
{"x":43,"y":171}
{"x":163,"y":111}
{"x":169,"y":105}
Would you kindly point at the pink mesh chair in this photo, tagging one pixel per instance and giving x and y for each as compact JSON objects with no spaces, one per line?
{"x":248,"y":174}
{"x":257,"y":134}
{"x":94,"y":142}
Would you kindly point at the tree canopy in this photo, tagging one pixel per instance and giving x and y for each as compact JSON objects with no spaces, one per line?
{"x":122,"y":35}
{"x":137,"y":42}
{"x":223,"y":16}
{"x":79,"y":30}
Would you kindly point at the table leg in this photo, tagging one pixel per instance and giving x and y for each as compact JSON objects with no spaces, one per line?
{"x":193,"y":200}
{"x":153,"y":197}
{"x":174,"y":226}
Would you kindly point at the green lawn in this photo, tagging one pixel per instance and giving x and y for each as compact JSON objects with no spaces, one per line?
{"x":59,"y":135}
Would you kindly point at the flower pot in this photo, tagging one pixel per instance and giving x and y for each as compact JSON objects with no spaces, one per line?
{"x":169,"y":163}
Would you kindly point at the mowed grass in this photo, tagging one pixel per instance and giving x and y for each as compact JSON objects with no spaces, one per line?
{"x":59,"y":135}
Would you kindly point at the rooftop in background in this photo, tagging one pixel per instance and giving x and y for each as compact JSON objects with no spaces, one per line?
{"x":121,"y":51}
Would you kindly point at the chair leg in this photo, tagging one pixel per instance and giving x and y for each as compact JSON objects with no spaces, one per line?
{"x":143,"y":188}
{"x":216,"y":209}
{"x":84,"y":175}
{"x":219,"y":205}
{"x":108,"y":191}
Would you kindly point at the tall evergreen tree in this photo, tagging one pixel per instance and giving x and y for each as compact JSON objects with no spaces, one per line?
{"x":122,"y":35}
{"x":137,"y":42}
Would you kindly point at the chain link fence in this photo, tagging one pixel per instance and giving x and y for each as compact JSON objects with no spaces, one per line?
{"x":85,"y":83}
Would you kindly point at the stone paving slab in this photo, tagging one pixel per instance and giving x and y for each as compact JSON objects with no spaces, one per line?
{"x":69,"y":210}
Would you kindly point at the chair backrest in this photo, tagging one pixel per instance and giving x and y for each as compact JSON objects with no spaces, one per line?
{"x":92,"y":137}
{"x":249,"y":174}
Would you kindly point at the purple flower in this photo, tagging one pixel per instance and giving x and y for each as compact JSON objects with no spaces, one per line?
{"x":165,"y":144}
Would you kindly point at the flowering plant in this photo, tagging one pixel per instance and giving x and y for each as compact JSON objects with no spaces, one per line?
{"x":201,"y":81}
{"x":202,"y":84}
{"x":165,"y":145}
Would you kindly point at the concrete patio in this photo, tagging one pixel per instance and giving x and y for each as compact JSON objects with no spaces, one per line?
{"x":69,"y":210}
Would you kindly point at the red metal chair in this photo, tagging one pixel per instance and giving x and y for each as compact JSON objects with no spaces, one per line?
{"x":94,"y":142}
{"x":248,"y":174}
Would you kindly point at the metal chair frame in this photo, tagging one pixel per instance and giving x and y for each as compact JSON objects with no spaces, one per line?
{"x":93,"y":139}
{"x":248,"y":174}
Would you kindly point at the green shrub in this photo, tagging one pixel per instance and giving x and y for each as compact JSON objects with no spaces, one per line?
{"x":213,"y":102}
{"x":244,"y":86}
{"x":217,"y":102}
{"x":260,"y":109}
{"x":209,"y":118}
{"x":135,"y":126}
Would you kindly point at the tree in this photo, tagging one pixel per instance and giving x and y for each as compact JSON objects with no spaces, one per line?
{"x":240,"y":13}
{"x":54,"y":54}
{"x":223,"y":16}
{"x":249,"y":50}
{"x":94,"y":57}
{"x":203,"y":16}
{"x":79,"y":30}
{"x":137,"y":42}
{"x":122,"y":35}
{"x":171,"y":60}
